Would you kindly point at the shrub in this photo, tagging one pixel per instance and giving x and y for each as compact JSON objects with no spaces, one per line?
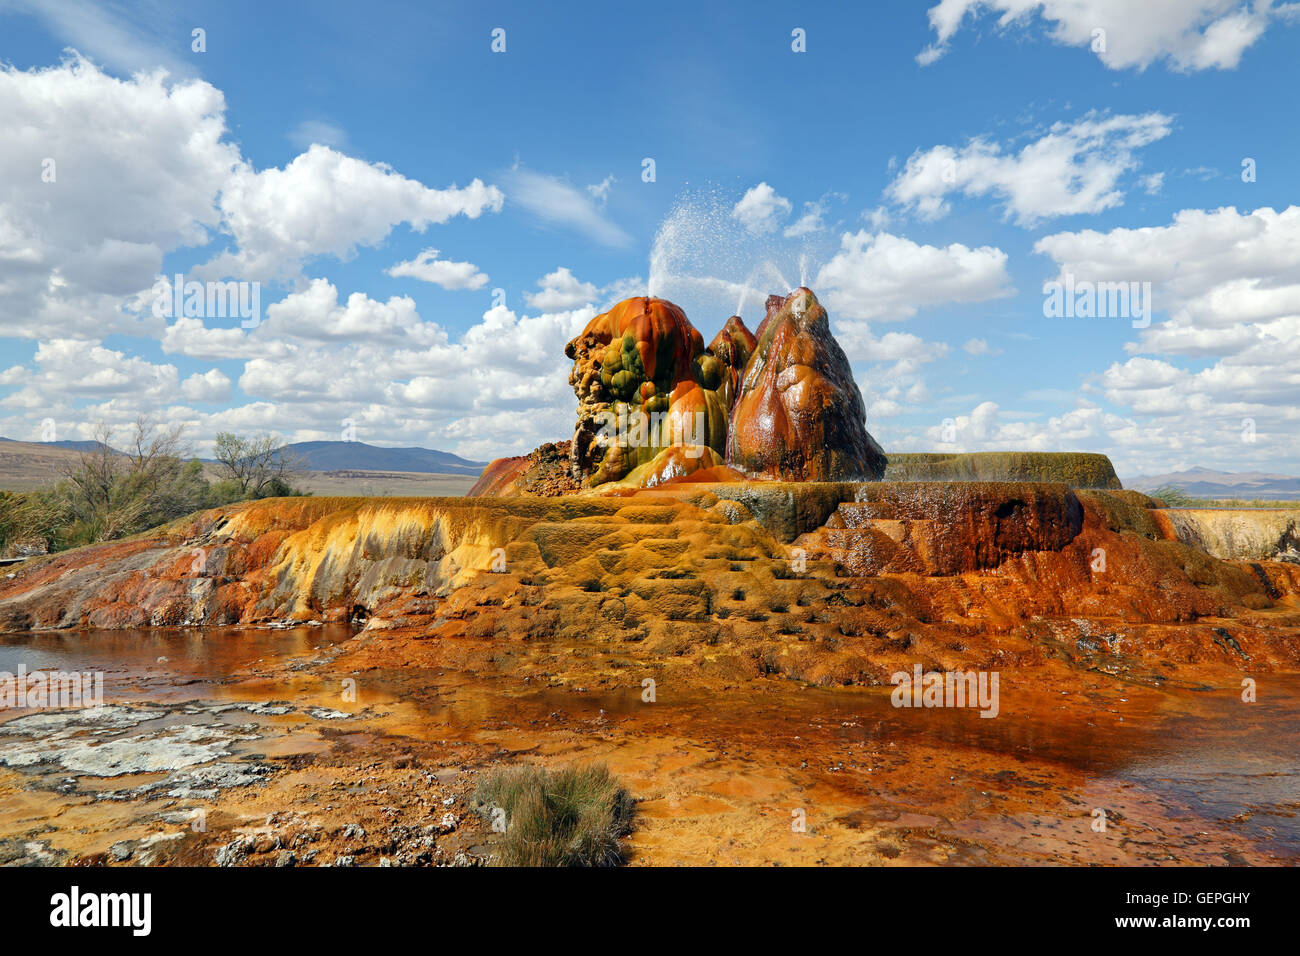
{"x":1173,"y":497}
{"x":569,"y":817}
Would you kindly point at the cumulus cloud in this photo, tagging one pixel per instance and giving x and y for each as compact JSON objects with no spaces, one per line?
{"x":1228,"y":283}
{"x":1190,"y":35}
{"x":761,"y":209}
{"x":886,"y":277}
{"x":191,"y":337}
{"x":427,"y":267}
{"x":1073,"y":168}
{"x":1212,"y":270}
{"x":326,"y":203}
{"x":66,"y":370}
{"x":561,"y":290}
{"x":91,"y":204}
{"x":977,"y":346}
{"x":315,"y":314}
{"x":210,"y":386}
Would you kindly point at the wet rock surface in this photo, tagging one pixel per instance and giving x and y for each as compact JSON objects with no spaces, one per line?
{"x":799,"y":415}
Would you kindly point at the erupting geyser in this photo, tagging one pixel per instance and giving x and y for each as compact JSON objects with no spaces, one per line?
{"x":656,"y":406}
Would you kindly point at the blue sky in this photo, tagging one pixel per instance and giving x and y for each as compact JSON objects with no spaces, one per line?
{"x":925,"y":168}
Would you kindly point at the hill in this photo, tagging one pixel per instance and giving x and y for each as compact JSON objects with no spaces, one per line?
{"x":1209,"y":483}
{"x":328,"y":468}
{"x":358,"y":456}
{"x":27,"y":466}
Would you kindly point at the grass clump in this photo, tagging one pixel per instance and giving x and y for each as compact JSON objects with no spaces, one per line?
{"x":569,"y":817}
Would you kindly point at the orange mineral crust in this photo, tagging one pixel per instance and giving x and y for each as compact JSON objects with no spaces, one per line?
{"x":836,"y":583}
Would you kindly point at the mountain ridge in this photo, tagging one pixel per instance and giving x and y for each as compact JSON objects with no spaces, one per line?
{"x":1212,"y":483}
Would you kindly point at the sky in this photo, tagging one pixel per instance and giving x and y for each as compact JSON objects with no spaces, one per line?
{"x":427,"y":201}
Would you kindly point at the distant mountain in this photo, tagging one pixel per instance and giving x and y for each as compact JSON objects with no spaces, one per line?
{"x":69,"y":445}
{"x":358,"y":456}
{"x":1208,"y":483}
{"x":27,"y":466}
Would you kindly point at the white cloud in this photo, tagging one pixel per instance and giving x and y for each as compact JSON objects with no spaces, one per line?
{"x":979,"y":347}
{"x":886,"y":277}
{"x":1191,"y":35}
{"x":69,"y":370}
{"x":190,"y":336}
{"x":813,"y":218}
{"x":1229,"y":284}
{"x":127,"y":43}
{"x":326,"y":203}
{"x":1073,"y":168}
{"x":1211,"y":270}
{"x":473,"y":393}
{"x":561,"y":290}
{"x":315,"y":315}
{"x":74,"y":249}
{"x":105,"y":177}
{"x":878,"y":218}
{"x":557,"y":202}
{"x":860,"y":344}
{"x":761,"y":209}
{"x":210,"y":386}
{"x":141,"y":171}
{"x":1153,"y":183}
{"x":427,"y":267}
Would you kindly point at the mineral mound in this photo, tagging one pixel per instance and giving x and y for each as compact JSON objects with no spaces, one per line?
{"x":799,"y":416}
{"x":656,"y":407}
{"x":829,"y":582}
{"x":649,"y":405}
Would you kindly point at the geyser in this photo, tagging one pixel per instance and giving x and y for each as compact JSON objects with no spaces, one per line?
{"x":656,"y":406}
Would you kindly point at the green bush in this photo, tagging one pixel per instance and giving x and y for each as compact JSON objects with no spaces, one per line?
{"x":1173,"y":497}
{"x":569,"y":817}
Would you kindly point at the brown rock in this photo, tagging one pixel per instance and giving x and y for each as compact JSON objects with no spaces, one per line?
{"x":732,"y":348}
{"x":799,"y":415}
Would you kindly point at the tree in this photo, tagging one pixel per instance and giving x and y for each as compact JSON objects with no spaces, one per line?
{"x":260,"y":466}
{"x":108,"y":493}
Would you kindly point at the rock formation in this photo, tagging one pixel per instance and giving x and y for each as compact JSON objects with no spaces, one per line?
{"x":799,"y":415}
{"x":986,"y":575}
{"x":648,"y":396}
{"x":655,"y":407}
{"x":544,"y":471}
{"x":732,"y":347}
